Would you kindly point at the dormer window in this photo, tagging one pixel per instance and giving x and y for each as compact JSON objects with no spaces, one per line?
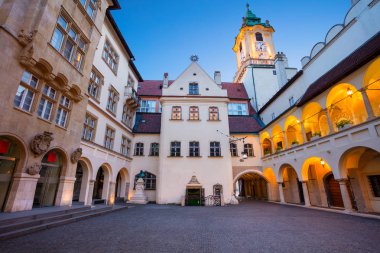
{"x":193,"y":89}
{"x":259,"y":37}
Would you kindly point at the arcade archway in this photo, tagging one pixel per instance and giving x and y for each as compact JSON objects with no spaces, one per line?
{"x":251,"y":185}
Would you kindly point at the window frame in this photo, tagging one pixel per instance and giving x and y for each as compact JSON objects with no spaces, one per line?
{"x":112,"y":99}
{"x":94,"y":76}
{"x":215,"y":149}
{"x":194,"y":113}
{"x":248,"y":149}
{"x":46,"y":97}
{"x":194,"y":149}
{"x":62,"y":107}
{"x":111,"y":55}
{"x":150,"y":183}
{"x":26,"y":85}
{"x":176,"y":113}
{"x":109,"y":138}
{"x":233,"y":109}
{"x":88,"y":128}
{"x":213,"y":113}
{"x":259,"y":36}
{"x":145,"y":107}
{"x":175,"y":149}
{"x":192,"y":90}
{"x":234,"y":150}
{"x":139,"y":149}
{"x":154,"y":149}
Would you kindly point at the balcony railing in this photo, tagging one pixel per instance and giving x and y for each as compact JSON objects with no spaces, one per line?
{"x":131,"y":98}
{"x":248,"y":62}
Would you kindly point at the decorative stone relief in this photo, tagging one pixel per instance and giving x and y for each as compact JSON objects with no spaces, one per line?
{"x":34,"y":169}
{"x":76,"y":155}
{"x":26,"y":40}
{"x":41,"y":143}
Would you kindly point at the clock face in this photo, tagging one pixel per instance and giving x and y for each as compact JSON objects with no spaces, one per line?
{"x":260,"y":46}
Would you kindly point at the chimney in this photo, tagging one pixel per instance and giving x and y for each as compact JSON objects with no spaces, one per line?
{"x":281,"y":63}
{"x":165,"y":84}
{"x":218,"y":78}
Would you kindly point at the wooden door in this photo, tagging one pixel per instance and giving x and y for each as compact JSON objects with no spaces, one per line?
{"x":334,"y":195}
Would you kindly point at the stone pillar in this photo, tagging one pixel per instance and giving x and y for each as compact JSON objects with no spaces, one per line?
{"x":111,"y":193}
{"x":331,"y":127}
{"x":345,"y":195}
{"x":306,"y":193}
{"x":303,"y":133}
{"x":272,"y":147}
{"x":281,"y":192}
{"x":285,"y":141}
{"x":22,"y":192}
{"x":65,"y":191}
{"x":90,"y":192}
{"x":367,"y":104}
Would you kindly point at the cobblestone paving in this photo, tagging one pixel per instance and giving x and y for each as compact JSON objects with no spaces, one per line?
{"x":248,"y":227}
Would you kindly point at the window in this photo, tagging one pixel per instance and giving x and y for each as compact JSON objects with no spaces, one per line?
{"x":233,"y":149}
{"x":149,"y":181}
{"x":194,"y":112}
{"x":193,"y":148}
{"x":215,"y":148}
{"x":176,"y":113}
{"x":63,"y":111}
{"x":69,"y":42}
{"x":259,"y":37}
{"x":113,"y":98}
{"x":110,"y":56}
{"x":89,"y":128}
{"x":25,"y":92}
{"x":193,"y":89}
{"x":96,"y":81}
{"x":237,"y":109}
{"x":213,"y":113}
{"x":147,"y":106}
{"x":125,"y":146}
{"x":90,"y":7}
{"x":139,"y":149}
{"x":154,"y":149}
{"x":109,"y":138}
{"x":127,"y":117}
{"x":374,"y":181}
{"x":248,"y":149}
{"x":291,"y":101}
{"x":175,"y":148}
{"x":274,"y":72}
{"x":273,"y":116}
{"x":46,"y":102}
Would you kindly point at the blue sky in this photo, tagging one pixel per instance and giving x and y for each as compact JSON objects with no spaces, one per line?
{"x":163,"y":34}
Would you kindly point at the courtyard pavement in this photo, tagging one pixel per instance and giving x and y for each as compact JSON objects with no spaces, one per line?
{"x":248,"y":227}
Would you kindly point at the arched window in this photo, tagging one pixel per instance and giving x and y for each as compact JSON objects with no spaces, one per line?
{"x":259,"y":37}
{"x":213,"y":113}
{"x":149,"y":181}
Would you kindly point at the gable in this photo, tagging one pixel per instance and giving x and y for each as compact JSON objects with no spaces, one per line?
{"x":194,"y":74}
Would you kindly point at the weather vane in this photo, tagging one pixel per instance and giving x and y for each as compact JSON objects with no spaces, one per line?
{"x":194,"y":58}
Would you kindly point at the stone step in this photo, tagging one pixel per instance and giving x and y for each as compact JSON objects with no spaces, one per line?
{"x":56,"y":221}
{"x":42,"y":215}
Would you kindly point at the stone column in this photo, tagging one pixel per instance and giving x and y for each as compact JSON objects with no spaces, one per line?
{"x":90,"y":192}
{"x":331,"y":127}
{"x":285,"y":141}
{"x":281,"y":192}
{"x":65,"y":191}
{"x":303,"y":133}
{"x":367,"y":104}
{"x":306,"y":193}
{"x":345,"y":195}
{"x":111,"y":194}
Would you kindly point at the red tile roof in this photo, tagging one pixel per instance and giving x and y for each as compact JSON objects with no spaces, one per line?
{"x":235,"y":90}
{"x":354,"y":61}
{"x":243,"y":124}
{"x":154,"y":88}
{"x":148,"y":123}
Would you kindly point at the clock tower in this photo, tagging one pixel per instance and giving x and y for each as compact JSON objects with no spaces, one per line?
{"x":258,"y":64}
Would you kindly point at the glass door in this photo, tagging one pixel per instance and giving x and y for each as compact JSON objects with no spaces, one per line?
{"x":47,"y":186}
{"x":7,"y":166}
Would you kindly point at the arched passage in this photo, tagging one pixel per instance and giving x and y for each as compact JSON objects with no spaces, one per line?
{"x":291,"y":185}
{"x":361,"y":165}
{"x":101,"y":185}
{"x":273,"y":194}
{"x":314,"y":121}
{"x":345,"y":105}
{"x":82,"y":178}
{"x":52,"y":165}
{"x":12,"y":157}
{"x":251,"y":185}
{"x":122,"y":186}
{"x":293,"y":131}
{"x":371,"y":83}
{"x":322,"y":187}
{"x":278,"y":138}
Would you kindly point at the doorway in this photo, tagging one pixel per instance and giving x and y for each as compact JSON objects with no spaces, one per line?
{"x":47,"y":184}
{"x":334,"y":195}
{"x":98,"y":187}
{"x":78,"y":182}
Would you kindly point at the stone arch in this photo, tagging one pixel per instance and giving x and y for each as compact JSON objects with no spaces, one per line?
{"x":102,"y":183}
{"x":270,"y":175}
{"x":371,"y":84}
{"x":291,"y":185}
{"x":314,"y":120}
{"x":293,"y":131}
{"x":278,"y":138}
{"x":251,"y":183}
{"x":361,"y":167}
{"x":83,"y":186}
{"x":122,"y":185}
{"x":13,"y":158}
{"x":266,"y":143}
{"x":345,"y":105}
{"x":65,"y":159}
{"x":61,"y":80}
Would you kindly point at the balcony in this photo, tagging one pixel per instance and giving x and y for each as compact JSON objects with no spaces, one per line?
{"x":131,"y":98}
{"x":248,"y":62}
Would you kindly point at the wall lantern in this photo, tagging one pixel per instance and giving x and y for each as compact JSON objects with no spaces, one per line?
{"x":349,"y":92}
{"x":244,"y":155}
{"x":322,"y":162}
